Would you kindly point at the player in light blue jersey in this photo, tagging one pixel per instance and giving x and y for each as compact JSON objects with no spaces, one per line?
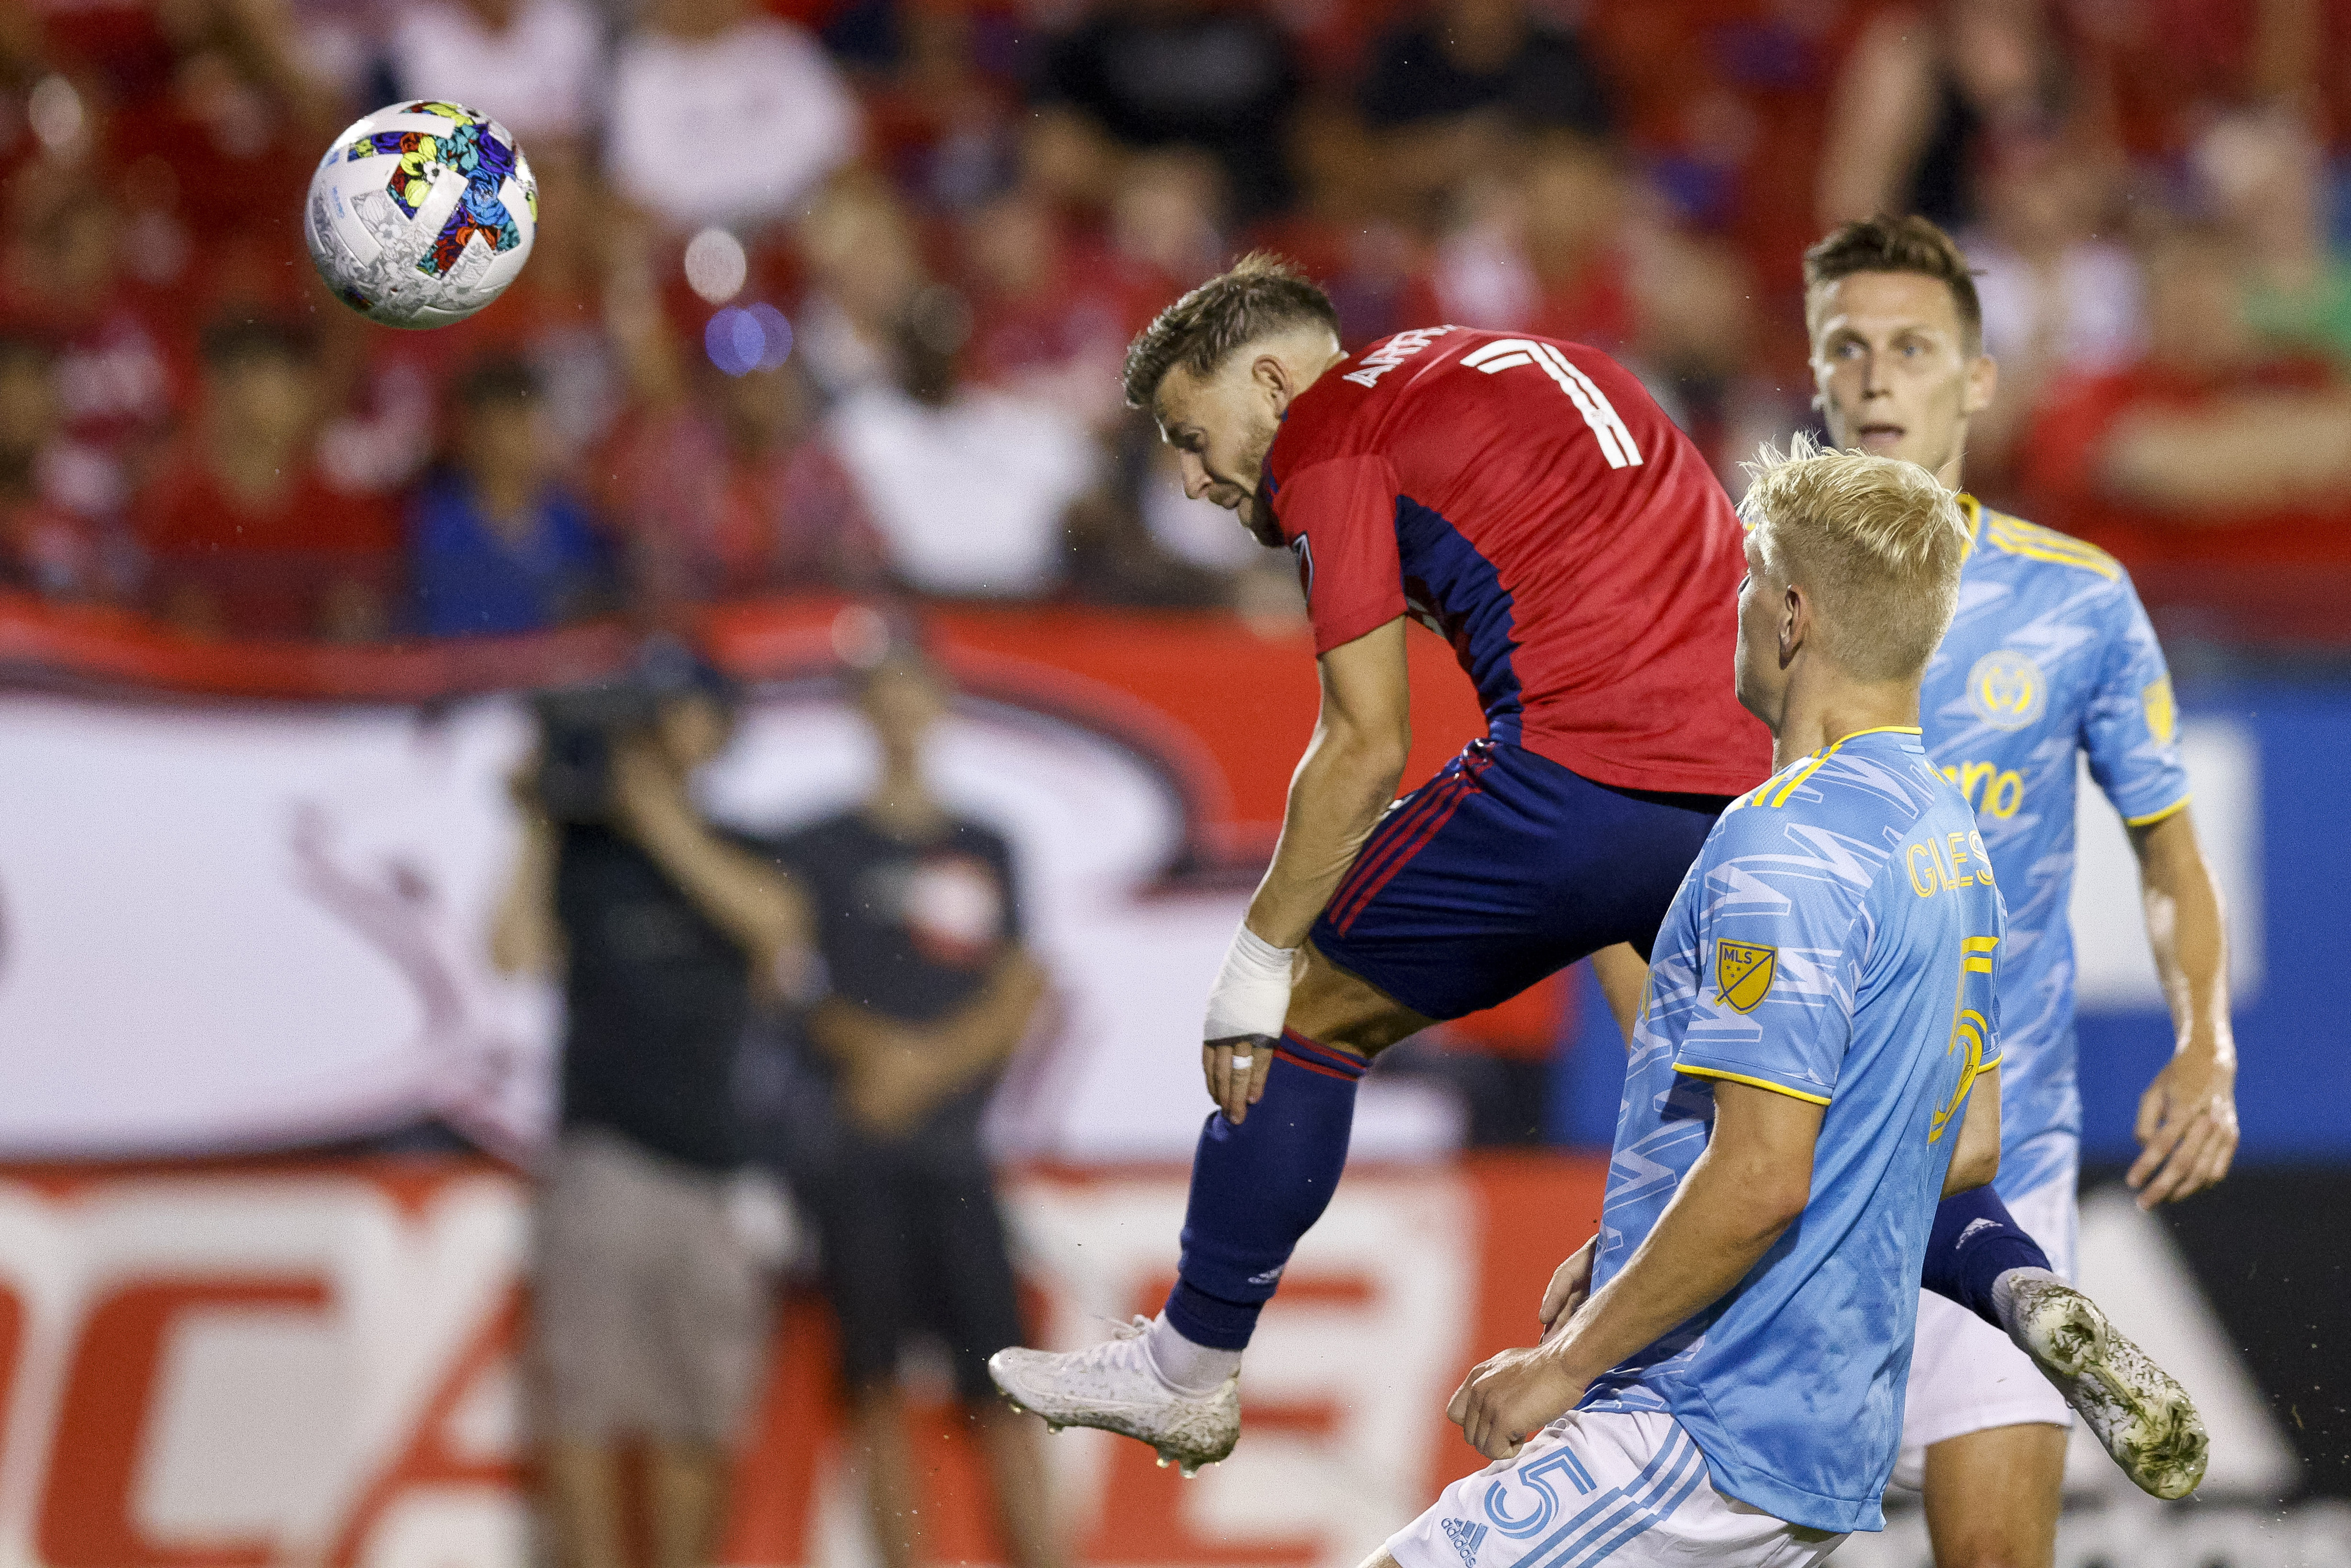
{"x":2050,"y":657}
{"x":1819,"y":1037}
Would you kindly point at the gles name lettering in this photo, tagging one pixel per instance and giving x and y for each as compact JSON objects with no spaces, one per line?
{"x":1949,"y":863}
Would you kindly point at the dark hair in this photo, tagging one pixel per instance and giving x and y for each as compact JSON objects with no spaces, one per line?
{"x":229,"y":344}
{"x":1888,"y":243}
{"x":495,"y":380}
{"x":1262,"y":294}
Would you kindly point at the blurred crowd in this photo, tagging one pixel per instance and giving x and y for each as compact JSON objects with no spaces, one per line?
{"x":830,"y":295}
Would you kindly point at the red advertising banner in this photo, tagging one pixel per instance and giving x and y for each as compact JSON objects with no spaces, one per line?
{"x":240,"y":1366}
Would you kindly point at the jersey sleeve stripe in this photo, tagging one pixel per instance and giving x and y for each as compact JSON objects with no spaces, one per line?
{"x":1751,"y":1083}
{"x":2154,"y":817}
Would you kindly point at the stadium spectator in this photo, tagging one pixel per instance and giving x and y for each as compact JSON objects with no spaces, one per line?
{"x":533,"y":65}
{"x":649,"y":1312}
{"x":2267,"y":176}
{"x":243,"y":533}
{"x":725,"y":487}
{"x":1545,"y":250}
{"x":50,"y":544}
{"x":971,"y":486}
{"x":1463,"y":57}
{"x":864,"y":265}
{"x":1928,"y":89}
{"x":496,"y":544}
{"x":2218,"y":471}
{"x":1341,"y":232}
{"x":943,"y":126}
{"x":1051,"y":315}
{"x":119,"y":381}
{"x":1192,"y":73}
{"x":1166,"y":217}
{"x":2058,"y":299}
{"x":1448,"y":91}
{"x":721,"y":115}
{"x":918,"y":918}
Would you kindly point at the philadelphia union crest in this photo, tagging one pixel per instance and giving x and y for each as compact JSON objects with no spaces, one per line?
{"x":2007,"y":690}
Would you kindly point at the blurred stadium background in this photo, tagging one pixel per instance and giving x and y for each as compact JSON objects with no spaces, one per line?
{"x":827,"y":307}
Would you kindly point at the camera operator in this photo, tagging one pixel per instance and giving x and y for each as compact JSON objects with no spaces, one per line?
{"x":651,"y":1314}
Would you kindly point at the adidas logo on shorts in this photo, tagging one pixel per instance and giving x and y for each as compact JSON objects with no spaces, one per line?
{"x":1466,"y":1538}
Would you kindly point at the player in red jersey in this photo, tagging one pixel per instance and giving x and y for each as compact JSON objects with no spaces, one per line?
{"x":1529,"y":501}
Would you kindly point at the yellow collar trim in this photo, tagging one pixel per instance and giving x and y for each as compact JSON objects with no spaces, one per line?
{"x":1812,"y":765}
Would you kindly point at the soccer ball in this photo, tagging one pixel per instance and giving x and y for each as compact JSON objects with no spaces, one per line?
{"x":422,"y":214}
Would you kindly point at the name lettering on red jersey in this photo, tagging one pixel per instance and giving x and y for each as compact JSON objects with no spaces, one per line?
{"x":1508,"y":353}
{"x":1394,"y":353}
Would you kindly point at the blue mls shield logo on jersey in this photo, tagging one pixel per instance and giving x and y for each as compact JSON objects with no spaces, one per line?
{"x":1466,"y":1538}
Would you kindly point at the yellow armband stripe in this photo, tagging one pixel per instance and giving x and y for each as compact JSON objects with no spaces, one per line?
{"x":2154,"y":817}
{"x":1752,"y":1082}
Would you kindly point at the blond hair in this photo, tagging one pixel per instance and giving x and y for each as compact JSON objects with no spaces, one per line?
{"x":1261,"y":296}
{"x":1876,"y":542}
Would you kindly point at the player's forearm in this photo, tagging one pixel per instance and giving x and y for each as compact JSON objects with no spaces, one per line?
{"x":1345,"y":780}
{"x":1729,"y":1211}
{"x":2186,"y":929}
{"x":979,"y":1036}
{"x":524,"y":938}
{"x":2252,"y":453}
{"x":752,"y":904}
{"x":1975,"y":1160}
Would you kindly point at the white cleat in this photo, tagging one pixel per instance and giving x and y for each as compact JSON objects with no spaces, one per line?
{"x":2141,"y":1415}
{"x":1113,"y":1386}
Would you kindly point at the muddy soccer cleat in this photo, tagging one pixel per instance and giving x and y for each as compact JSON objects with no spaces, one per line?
{"x":1114,"y":1386}
{"x":2138,"y":1411}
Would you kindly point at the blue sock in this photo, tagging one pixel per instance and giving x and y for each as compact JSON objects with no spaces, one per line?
{"x":1974,"y":1242}
{"x":1258,"y":1187}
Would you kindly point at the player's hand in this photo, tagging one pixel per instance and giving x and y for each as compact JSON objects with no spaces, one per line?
{"x":1570,"y":1287}
{"x":1236,"y":1070}
{"x":1506,"y":1400}
{"x":2187,"y":1128}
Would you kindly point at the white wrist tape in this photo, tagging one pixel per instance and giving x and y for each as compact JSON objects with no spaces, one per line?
{"x":1252,"y":991}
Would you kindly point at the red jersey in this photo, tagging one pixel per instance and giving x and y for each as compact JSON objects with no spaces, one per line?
{"x":1528,"y":500}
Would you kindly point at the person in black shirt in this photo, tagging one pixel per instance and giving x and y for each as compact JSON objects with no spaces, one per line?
{"x":649,"y":1314}
{"x":917,"y":917}
{"x":1450,"y":91}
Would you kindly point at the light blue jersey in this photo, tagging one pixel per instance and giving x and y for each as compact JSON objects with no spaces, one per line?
{"x":2050,"y":655}
{"x":1836,"y":941}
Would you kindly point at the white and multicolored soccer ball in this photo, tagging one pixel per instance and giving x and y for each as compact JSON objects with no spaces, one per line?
{"x":422,"y":214}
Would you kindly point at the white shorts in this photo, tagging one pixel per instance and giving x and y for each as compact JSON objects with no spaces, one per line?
{"x":1965,"y":1374}
{"x":1624,"y":1487}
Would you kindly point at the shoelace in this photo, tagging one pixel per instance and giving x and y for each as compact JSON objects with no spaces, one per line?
{"x":1119,"y":1334}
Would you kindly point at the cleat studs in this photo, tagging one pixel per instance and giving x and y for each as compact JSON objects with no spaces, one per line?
{"x":1162,"y":1461}
{"x":1187,"y":1472}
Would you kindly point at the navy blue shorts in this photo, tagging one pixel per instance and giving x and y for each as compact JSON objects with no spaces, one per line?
{"x":1503,"y":868}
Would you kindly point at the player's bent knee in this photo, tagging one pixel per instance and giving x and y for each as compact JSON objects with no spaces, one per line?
{"x":1346,"y":1012}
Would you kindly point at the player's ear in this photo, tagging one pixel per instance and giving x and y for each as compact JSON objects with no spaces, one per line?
{"x":1273,"y":378}
{"x":1982,"y":382}
{"x":1796,"y":623}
